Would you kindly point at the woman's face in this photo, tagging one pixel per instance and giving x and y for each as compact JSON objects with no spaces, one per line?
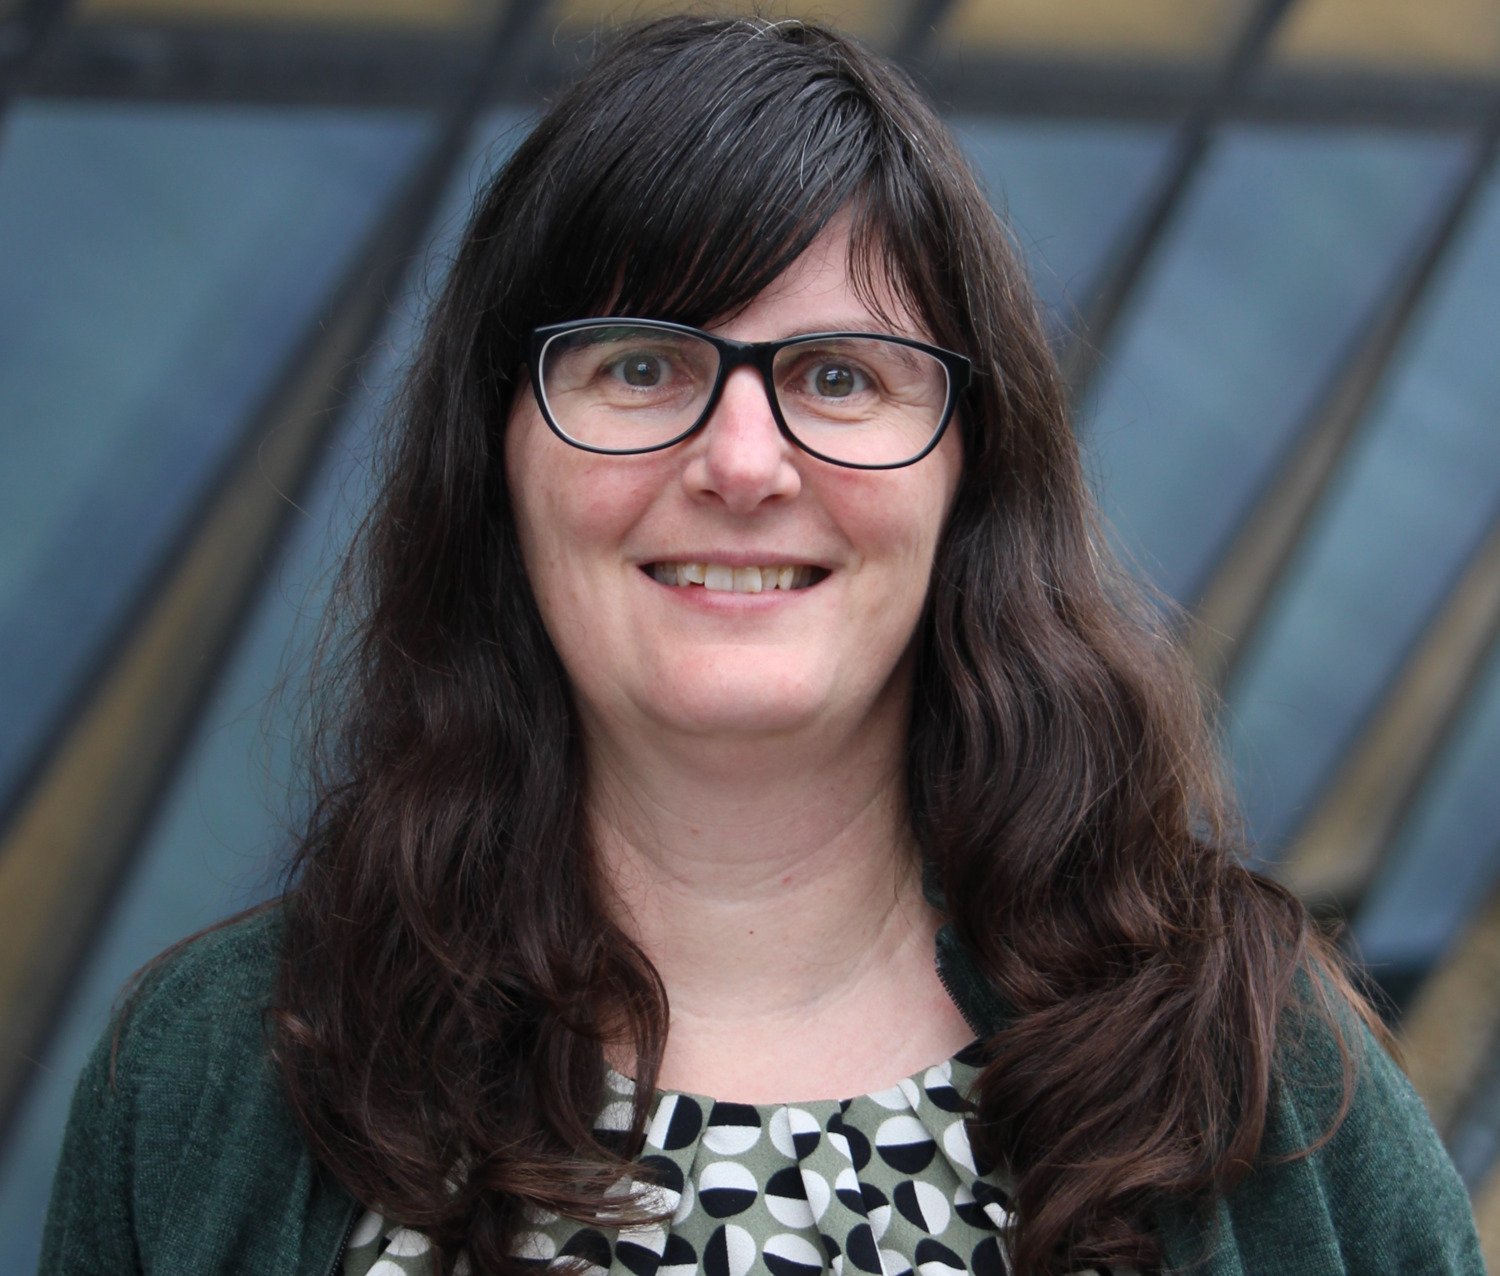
{"x":598,"y":532}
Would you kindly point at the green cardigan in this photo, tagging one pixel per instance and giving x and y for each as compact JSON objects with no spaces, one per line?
{"x":190,"y":1163}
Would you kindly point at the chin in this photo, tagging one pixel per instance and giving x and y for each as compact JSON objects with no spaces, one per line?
{"x":746,"y":704}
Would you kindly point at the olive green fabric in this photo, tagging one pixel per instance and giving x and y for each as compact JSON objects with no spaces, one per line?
{"x":190,"y":1164}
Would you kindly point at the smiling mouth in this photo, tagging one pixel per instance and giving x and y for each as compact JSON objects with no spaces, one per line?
{"x":737,"y":580}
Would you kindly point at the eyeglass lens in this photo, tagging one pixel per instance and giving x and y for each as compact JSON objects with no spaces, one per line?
{"x":860,"y":400}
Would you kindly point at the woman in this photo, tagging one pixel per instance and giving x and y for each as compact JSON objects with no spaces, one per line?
{"x":710,"y":669}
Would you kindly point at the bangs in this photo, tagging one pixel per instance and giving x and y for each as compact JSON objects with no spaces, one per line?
{"x":689,"y":187}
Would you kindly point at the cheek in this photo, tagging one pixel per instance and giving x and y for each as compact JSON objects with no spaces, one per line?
{"x":930,"y":500}
{"x":575,"y":515}
{"x":568,"y":503}
{"x":583,"y":518}
{"x":899,"y":523}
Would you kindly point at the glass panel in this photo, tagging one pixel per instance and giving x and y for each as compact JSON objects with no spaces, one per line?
{"x":1157,"y":30}
{"x":1445,"y":36}
{"x":161,"y":264}
{"x":414,"y":13}
{"x":1445,"y":861}
{"x":1284,"y":244}
{"x":1399,"y":520}
{"x":1068,"y":190}
{"x":215,"y":842}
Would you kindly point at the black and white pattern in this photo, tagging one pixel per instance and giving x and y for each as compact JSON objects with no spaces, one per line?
{"x":884,"y":1183}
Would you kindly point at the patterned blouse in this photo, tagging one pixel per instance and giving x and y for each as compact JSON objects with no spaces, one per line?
{"x":884,"y":1183}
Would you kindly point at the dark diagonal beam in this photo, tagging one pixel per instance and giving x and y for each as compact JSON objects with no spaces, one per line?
{"x":25,"y":39}
{"x":919,"y":29}
{"x":1139,"y":242}
{"x":1232,"y":602}
{"x":1452,"y":1027}
{"x":1339,"y":849}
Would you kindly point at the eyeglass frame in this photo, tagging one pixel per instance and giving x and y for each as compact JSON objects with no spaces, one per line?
{"x":760,"y":355}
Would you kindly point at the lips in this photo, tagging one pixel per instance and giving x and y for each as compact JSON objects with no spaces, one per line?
{"x":728,"y":578}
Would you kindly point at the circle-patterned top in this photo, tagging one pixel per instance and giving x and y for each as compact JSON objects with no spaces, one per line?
{"x":885,"y":1182}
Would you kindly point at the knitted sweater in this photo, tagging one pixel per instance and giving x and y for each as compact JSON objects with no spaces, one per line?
{"x":190,"y":1163}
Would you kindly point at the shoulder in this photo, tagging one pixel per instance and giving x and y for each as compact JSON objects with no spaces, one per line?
{"x":179,"y":1109}
{"x":1352,"y":1177}
{"x":193,"y":1018}
{"x":1386,"y":1181}
{"x":205,"y":995}
{"x":191,"y":1032}
{"x":228,"y":970}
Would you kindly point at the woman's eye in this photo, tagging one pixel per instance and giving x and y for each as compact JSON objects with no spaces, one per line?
{"x":640,"y":370}
{"x":836,"y":380}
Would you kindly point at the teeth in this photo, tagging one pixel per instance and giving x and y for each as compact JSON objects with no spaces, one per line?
{"x":739,"y":580}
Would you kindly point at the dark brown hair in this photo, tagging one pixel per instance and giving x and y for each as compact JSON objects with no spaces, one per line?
{"x":449,"y":971}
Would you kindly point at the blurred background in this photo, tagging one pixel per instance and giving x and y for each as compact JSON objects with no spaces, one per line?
{"x":1268,"y":236}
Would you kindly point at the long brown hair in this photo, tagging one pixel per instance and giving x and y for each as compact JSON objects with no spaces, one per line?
{"x":449,"y":973}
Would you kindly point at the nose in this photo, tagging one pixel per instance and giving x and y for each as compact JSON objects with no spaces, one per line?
{"x":741,"y":456}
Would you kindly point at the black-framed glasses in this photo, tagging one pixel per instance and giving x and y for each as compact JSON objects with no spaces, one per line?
{"x":867,"y":400}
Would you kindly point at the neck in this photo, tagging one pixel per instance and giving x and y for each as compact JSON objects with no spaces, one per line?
{"x":774,"y":889}
{"x":785,"y":921}
{"x":759,"y":870}
{"x":764,"y":887}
